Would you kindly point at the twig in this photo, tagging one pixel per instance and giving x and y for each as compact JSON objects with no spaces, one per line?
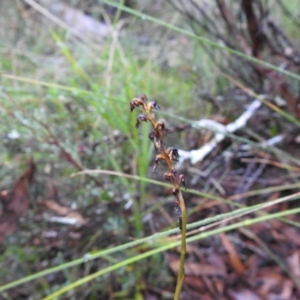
{"x":66,"y":154}
{"x":198,"y":155}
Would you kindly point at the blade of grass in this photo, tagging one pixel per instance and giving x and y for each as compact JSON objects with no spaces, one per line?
{"x":271,"y":149}
{"x":70,"y":58}
{"x":61,"y":23}
{"x":266,"y":102}
{"x":136,"y":209}
{"x":212,"y":221}
{"x":266,"y":190}
{"x":167,"y":246}
{"x":201,"y":39}
{"x":48,"y":84}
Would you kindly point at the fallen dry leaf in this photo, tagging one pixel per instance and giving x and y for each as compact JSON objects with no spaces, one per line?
{"x":294,"y":263}
{"x":196,"y":268}
{"x":64,"y":211}
{"x":8,"y":224}
{"x":235,"y":260}
{"x":18,"y":204}
{"x":55,"y":207}
{"x":243,"y":294}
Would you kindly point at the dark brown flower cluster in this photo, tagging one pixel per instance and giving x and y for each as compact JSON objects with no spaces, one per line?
{"x":168,"y":155}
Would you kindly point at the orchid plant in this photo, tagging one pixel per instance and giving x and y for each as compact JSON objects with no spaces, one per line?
{"x":168,"y":156}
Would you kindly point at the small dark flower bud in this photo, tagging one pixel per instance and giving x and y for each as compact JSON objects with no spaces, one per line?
{"x":151,"y":136}
{"x":156,"y":161}
{"x":177,"y":209}
{"x":169,"y":177}
{"x":182,"y":180}
{"x":158,"y":145}
{"x":175,"y":191}
{"x":143,"y":98}
{"x":173,"y":153}
{"x":159,"y":126}
{"x":139,"y":119}
{"x":135,"y":103}
{"x":132,"y":106}
{"x":179,"y":215}
{"x":154,"y":105}
{"x":180,"y":223}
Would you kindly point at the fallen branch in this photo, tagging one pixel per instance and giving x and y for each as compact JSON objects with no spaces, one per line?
{"x":221,"y":130}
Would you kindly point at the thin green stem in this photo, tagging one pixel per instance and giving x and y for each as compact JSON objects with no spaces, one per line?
{"x":150,"y":240}
{"x":181,"y":272}
{"x":167,"y":246}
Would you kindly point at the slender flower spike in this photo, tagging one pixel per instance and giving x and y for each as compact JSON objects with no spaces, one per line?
{"x":168,"y":155}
